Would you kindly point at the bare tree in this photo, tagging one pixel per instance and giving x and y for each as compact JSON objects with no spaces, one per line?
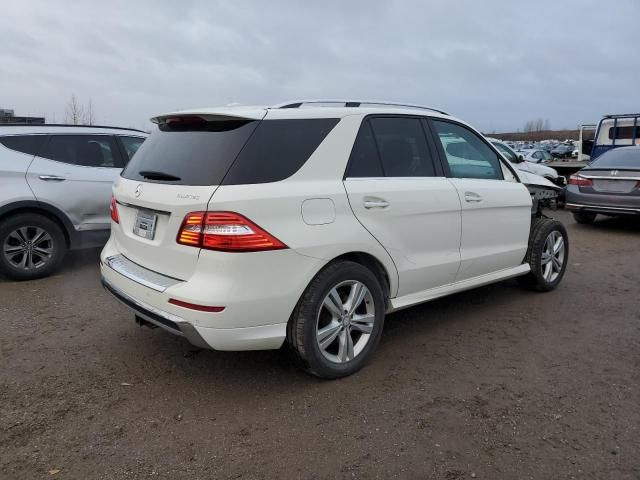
{"x":89,"y":117}
{"x":74,"y":112}
{"x":77,"y":114}
{"x":537,"y":125}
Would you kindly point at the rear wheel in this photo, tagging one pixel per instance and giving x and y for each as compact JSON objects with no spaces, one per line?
{"x":547,"y":255}
{"x":31,"y":246}
{"x":584,"y":217}
{"x":338,"y":322}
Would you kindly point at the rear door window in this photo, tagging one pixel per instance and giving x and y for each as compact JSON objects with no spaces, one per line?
{"x":403,"y":147}
{"x":83,"y":150}
{"x":278,"y":149}
{"x":29,"y":144}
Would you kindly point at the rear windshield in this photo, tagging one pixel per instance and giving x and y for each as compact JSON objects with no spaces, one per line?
{"x":199,"y":155}
{"x":628,"y":157}
{"x":230,"y":153}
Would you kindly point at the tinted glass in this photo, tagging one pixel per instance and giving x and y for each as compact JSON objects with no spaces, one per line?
{"x":364,"y":161}
{"x":618,"y":158}
{"x":29,"y":144}
{"x":403,"y":147}
{"x":467,"y":154}
{"x":197,"y":154}
{"x":83,"y":150}
{"x":625,"y":132}
{"x":131,"y":145}
{"x":277,"y":149}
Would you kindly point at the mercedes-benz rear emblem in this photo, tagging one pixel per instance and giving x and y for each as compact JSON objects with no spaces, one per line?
{"x":138,"y":190}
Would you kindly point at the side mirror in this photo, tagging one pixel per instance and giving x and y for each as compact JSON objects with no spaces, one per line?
{"x":520,"y":158}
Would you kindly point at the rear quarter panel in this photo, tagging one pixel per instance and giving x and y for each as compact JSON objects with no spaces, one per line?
{"x":13,"y":184}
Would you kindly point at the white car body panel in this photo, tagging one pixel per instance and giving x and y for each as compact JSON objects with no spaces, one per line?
{"x":495,"y":225}
{"x":420,"y":227}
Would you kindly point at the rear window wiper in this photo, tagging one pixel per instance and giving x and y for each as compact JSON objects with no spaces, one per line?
{"x":154,"y":175}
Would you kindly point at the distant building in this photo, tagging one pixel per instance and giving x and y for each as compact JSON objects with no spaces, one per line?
{"x":8,"y":116}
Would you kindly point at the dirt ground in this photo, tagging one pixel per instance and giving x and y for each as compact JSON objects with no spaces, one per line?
{"x":496,"y":383}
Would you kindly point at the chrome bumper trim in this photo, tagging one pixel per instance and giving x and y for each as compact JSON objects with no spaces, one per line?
{"x":578,"y":206}
{"x":139,"y":274}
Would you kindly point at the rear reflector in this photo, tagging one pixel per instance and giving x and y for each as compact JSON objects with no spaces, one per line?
{"x":193,"y":306}
{"x":580,"y":181}
{"x":113,"y":209}
{"x":226,"y":232}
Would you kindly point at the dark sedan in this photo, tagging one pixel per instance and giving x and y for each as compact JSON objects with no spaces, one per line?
{"x":609,"y":185}
{"x":562,"y":151}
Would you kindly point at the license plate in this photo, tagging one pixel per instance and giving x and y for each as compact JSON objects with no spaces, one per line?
{"x":145,"y":224}
{"x":614,"y":186}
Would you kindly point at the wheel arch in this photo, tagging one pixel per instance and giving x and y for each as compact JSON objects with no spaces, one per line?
{"x":46,"y":210}
{"x":372,"y":263}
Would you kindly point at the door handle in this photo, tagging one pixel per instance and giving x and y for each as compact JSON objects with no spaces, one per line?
{"x":370,"y":203}
{"x":472,"y":197}
{"x":51,"y":178}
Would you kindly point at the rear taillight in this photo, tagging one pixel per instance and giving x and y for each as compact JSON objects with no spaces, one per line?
{"x":580,"y":181}
{"x":114,"y":210}
{"x":225,"y":231}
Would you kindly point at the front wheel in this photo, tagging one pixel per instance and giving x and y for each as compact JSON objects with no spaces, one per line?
{"x":547,"y":255}
{"x":338,"y":322}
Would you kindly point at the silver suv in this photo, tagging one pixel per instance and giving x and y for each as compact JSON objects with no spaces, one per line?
{"x":55,"y":186}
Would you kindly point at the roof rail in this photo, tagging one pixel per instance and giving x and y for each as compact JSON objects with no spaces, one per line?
{"x":67,"y":125}
{"x":622,"y":115}
{"x":356,"y":103}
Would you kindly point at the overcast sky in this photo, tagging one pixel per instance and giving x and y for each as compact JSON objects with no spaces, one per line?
{"x":565,"y":61}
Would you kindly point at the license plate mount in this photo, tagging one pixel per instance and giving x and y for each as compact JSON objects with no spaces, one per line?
{"x":145,"y":224}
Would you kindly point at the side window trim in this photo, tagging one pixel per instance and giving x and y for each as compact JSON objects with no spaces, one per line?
{"x":433,"y":147}
{"x":122,"y":151}
{"x":442,"y":154}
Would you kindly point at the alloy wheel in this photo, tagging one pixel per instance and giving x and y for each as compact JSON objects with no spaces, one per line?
{"x":345,"y":321}
{"x":553,"y":256}
{"x":28,"y":248}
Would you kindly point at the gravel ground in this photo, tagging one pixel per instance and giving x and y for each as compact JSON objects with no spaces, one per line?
{"x":493,"y":383}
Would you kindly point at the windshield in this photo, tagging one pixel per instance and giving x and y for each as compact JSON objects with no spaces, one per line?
{"x":619,"y":158}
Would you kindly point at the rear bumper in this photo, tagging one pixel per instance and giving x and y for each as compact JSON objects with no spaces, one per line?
{"x":164,"y":320}
{"x":258,"y":292}
{"x":602,"y":202}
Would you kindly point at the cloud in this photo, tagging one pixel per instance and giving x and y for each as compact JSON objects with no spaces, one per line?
{"x":496,"y":64}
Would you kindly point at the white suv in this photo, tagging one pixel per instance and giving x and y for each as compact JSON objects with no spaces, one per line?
{"x":247,"y":228}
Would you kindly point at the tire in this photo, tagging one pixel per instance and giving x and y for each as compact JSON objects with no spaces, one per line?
{"x":313,"y":321}
{"x":34,"y":260}
{"x":585,"y":218}
{"x":546,"y":273}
